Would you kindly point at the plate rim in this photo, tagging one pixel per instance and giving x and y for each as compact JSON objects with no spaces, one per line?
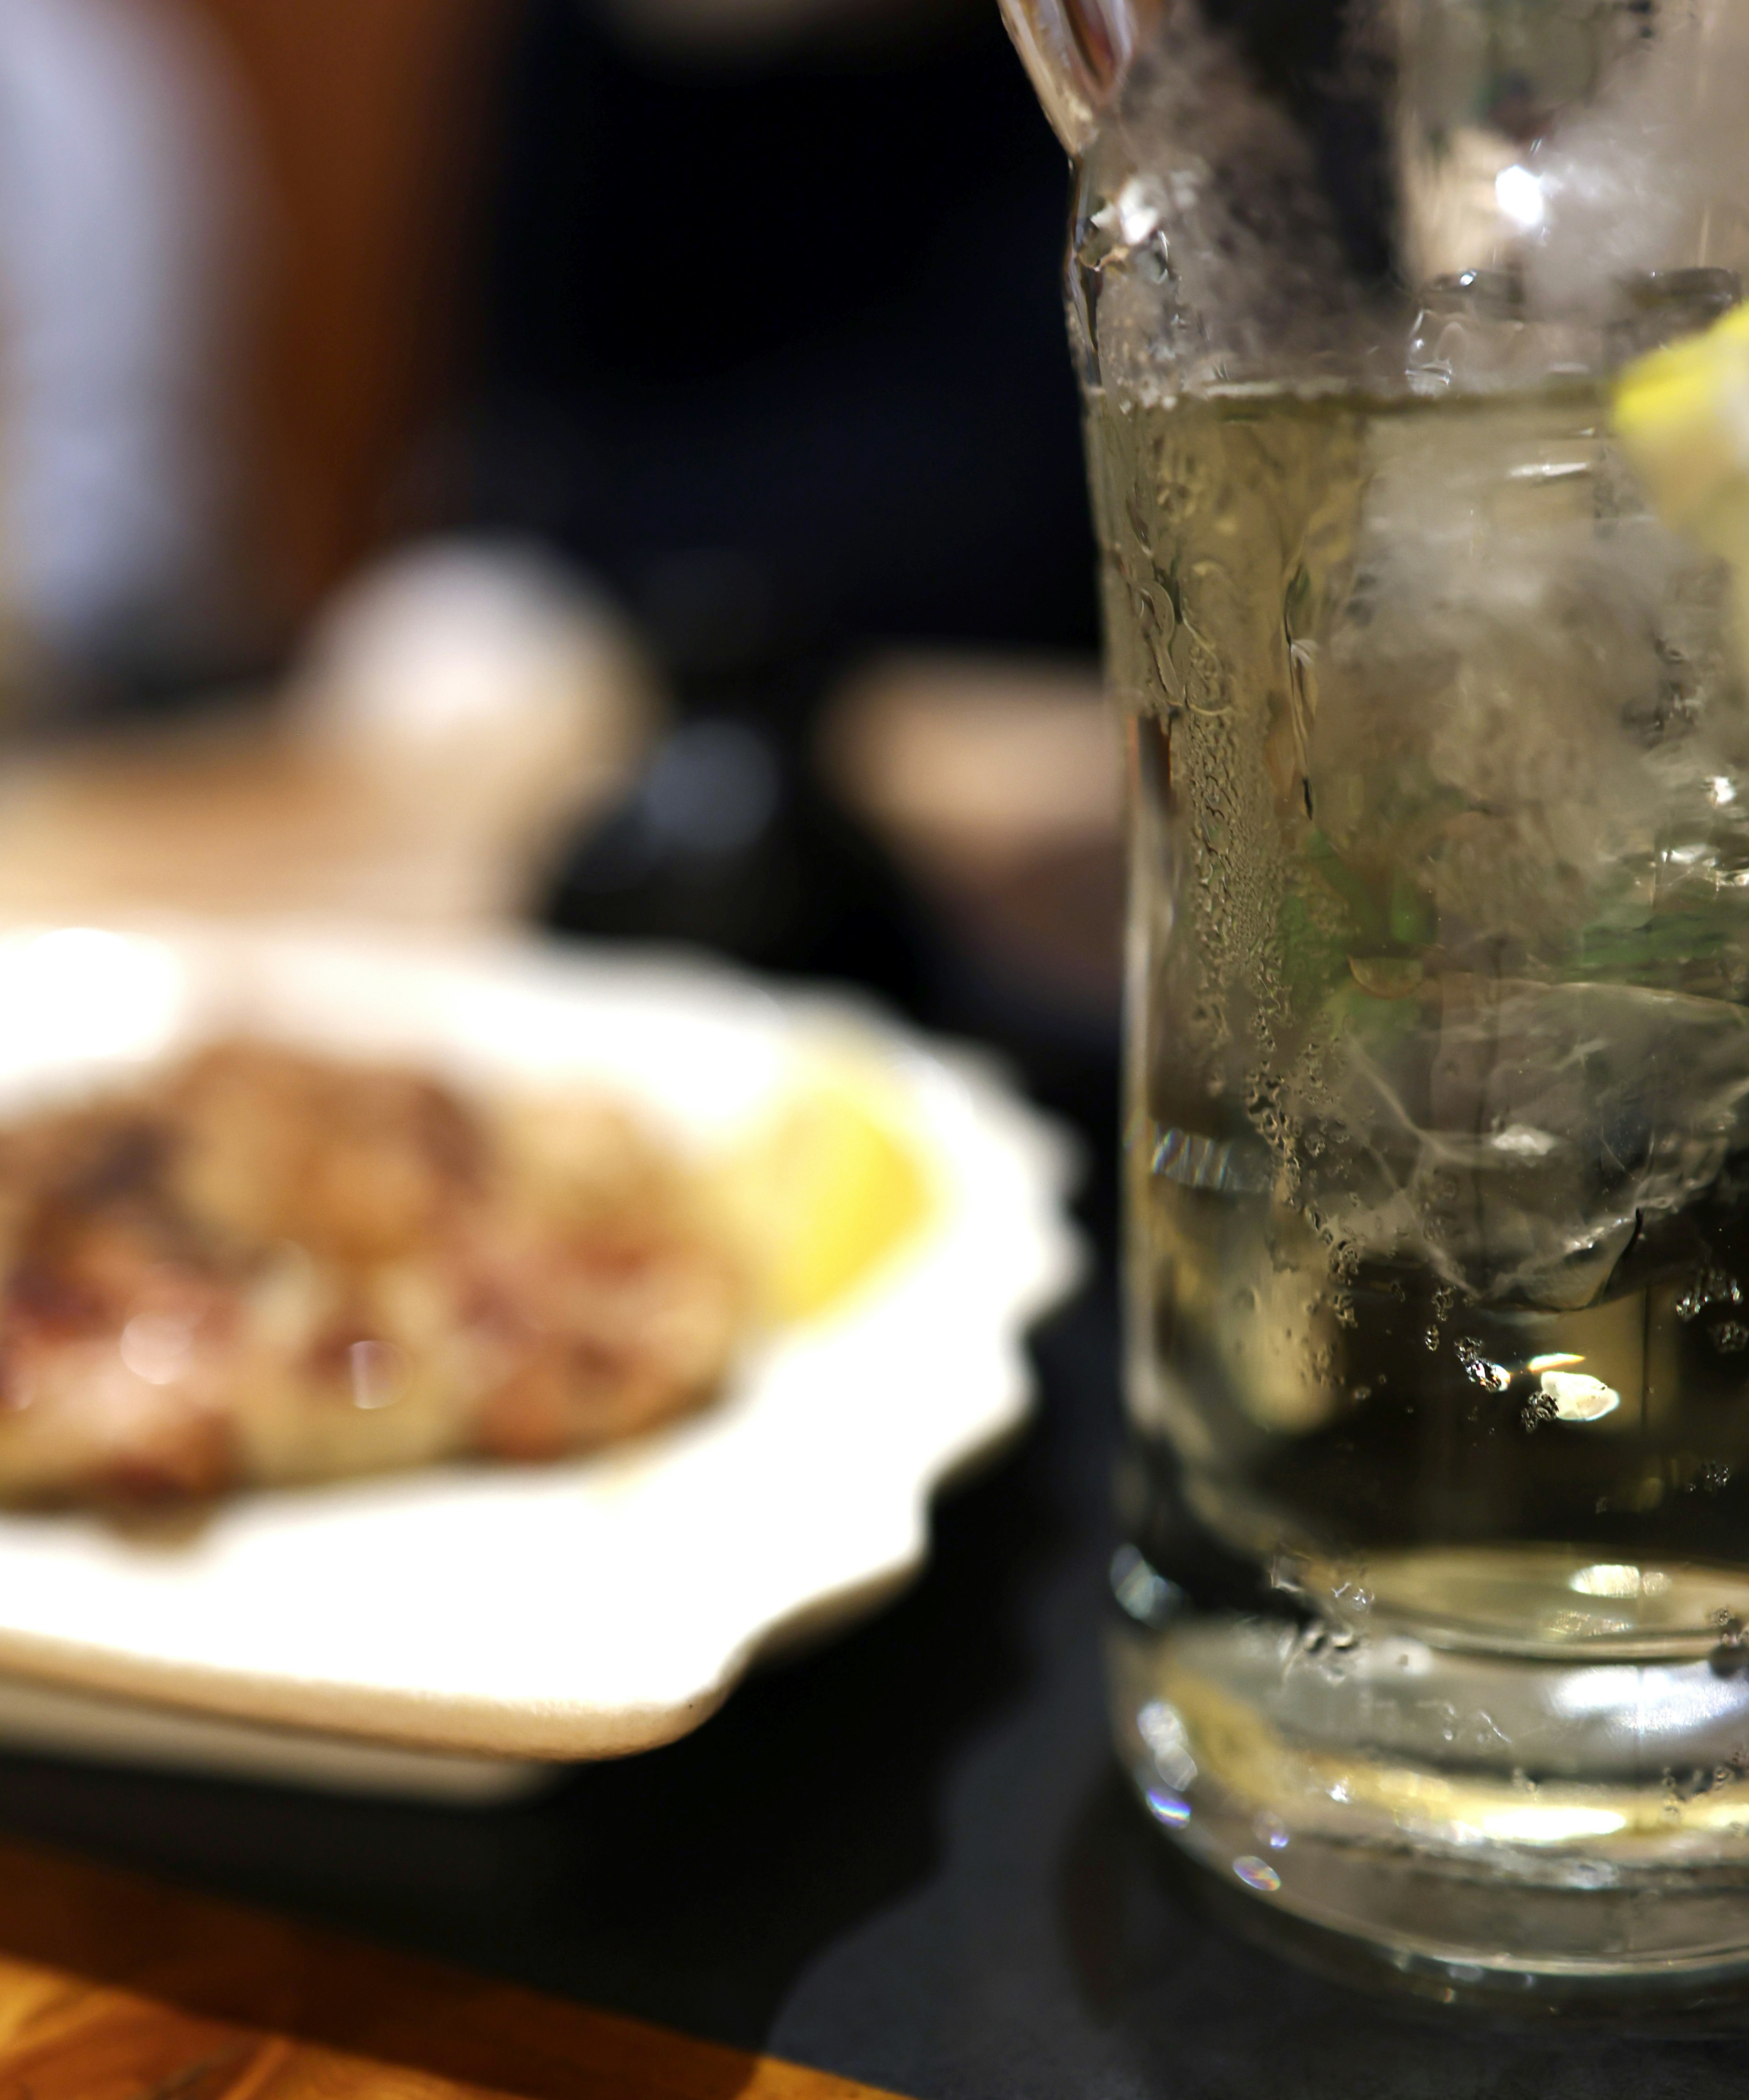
{"x":487,"y":1725}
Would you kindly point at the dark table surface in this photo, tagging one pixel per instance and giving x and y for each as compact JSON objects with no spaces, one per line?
{"x":907,"y":1859}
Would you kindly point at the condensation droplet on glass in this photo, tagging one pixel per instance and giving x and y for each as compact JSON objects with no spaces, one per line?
{"x":1490,"y":1377}
{"x":1712,"y":1286}
{"x":1141,"y":1590}
{"x":1538,"y":1410}
{"x":1271,"y":1831}
{"x":1257,"y":1874}
{"x":1161,"y":1727}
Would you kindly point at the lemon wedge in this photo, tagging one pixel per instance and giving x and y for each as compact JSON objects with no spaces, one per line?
{"x":1682,"y":416}
{"x":823,"y":1190}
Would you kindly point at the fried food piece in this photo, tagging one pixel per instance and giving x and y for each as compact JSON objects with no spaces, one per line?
{"x":270,"y":1267}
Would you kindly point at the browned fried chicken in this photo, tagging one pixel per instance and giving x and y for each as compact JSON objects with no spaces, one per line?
{"x":271,"y":1267}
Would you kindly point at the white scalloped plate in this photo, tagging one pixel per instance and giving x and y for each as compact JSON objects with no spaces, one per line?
{"x":585,"y":1610}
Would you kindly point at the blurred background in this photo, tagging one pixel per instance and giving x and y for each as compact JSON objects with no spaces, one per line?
{"x":608,"y":464}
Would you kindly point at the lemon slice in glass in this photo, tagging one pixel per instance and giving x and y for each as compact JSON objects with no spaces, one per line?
{"x":1682,"y":416}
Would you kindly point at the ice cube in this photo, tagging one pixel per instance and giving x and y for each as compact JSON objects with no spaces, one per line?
{"x":1635,"y":1099}
{"x":1629,"y":183}
{"x":1209,"y":249}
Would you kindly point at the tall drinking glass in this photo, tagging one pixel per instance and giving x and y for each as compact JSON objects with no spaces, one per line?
{"x":1417,"y":394}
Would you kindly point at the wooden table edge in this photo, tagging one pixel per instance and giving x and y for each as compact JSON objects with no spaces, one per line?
{"x":116,"y":1987}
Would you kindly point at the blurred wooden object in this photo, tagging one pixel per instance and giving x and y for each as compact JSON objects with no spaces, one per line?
{"x":458,"y":711}
{"x":113,"y":1987}
{"x":226,"y":819}
{"x":370,"y":117}
{"x":248,"y":817}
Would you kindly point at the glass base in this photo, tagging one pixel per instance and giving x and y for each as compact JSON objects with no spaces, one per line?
{"x":1476,"y":1824}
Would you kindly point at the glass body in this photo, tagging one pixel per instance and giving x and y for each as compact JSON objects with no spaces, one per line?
{"x":1433,"y":1599}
